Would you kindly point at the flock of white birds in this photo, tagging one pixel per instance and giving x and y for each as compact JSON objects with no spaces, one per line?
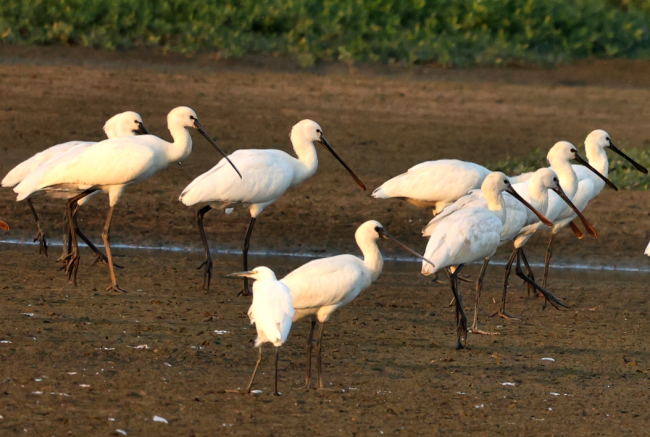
{"x":475,"y":211}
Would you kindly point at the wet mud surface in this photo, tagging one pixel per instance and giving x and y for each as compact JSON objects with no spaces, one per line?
{"x":73,"y":359}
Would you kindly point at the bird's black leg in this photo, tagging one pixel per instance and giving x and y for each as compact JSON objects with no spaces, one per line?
{"x":461,"y":317}
{"x":502,"y":307}
{"x":99,"y":256}
{"x":277,"y":356}
{"x":72,"y":265}
{"x":556,"y":303}
{"x":247,"y":243}
{"x":42,"y":248}
{"x":529,"y":271}
{"x":106,"y":236}
{"x":67,"y":242}
{"x":207,"y":272}
{"x":310,"y":338}
{"x":479,"y":287}
{"x":547,"y":261}
{"x":319,"y":363}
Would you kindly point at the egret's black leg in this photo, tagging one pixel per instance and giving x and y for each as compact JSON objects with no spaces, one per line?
{"x":247,"y":243}
{"x":106,"y":236}
{"x":207,"y":272}
{"x":549,"y":253}
{"x":479,"y":287}
{"x":502,"y":307}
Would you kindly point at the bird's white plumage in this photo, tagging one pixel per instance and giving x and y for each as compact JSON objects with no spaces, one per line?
{"x":113,"y":164}
{"x":434,"y":184}
{"x":122,"y":124}
{"x":469,"y":234}
{"x":272,"y":309}
{"x":322,"y":286}
{"x":647,"y":250}
{"x":267,"y":174}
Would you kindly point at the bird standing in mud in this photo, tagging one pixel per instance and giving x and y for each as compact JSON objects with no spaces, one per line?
{"x":111,"y":166}
{"x":123,"y":124}
{"x":272,"y":313}
{"x":322,"y":286}
{"x":267,"y":175}
{"x":469,"y":235}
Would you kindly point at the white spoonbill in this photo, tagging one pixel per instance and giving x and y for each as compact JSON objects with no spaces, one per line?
{"x":434,"y":184}
{"x":517,"y":217}
{"x":125,"y":123}
{"x":590,"y":184}
{"x":536,"y":192}
{"x":268,"y":174}
{"x":272,"y":313}
{"x":322,"y":286}
{"x":469,"y":235}
{"x":112,"y":165}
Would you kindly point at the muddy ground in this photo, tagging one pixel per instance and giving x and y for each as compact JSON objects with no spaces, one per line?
{"x":389,"y":355}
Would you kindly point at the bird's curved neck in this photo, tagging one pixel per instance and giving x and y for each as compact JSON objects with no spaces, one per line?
{"x":597,"y":158}
{"x":307,"y":162}
{"x":538,"y":196}
{"x":496,"y":203}
{"x":372,"y":258}
{"x":182,"y":145}
{"x":568,"y":178}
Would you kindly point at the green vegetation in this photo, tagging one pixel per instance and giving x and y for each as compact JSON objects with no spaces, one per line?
{"x":621,"y":172}
{"x":448,"y":32}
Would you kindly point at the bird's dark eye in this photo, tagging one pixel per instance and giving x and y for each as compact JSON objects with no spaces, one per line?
{"x":573,"y":150}
{"x":377,"y":228}
{"x":319,"y":131}
{"x":506,"y":181}
{"x":192,"y":117}
{"x":554,"y":179}
{"x":608,"y":139}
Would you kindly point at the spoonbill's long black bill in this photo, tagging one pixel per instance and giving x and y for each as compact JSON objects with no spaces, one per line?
{"x":582,"y":161}
{"x":325,"y":144}
{"x":590,"y":229}
{"x":199,"y":128}
{"x":638,"y":166}
{"x":541,"y":217}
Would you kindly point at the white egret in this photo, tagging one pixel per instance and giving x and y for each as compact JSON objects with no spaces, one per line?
{"x":268,"y":174}
{"x":434,"y":184}
{"x":272,"y":313}
{"x":324,"y":285}
{"x":111,"y":166}
{"x":469,"y":235}
{"x":123,"y":124}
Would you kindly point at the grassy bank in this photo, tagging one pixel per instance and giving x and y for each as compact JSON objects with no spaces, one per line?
{"x":448,"y":32}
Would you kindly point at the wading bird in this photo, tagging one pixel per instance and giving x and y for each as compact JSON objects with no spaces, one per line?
{"x":111,"y":166}
{"x":272,"y":313}
{"x":473,"y":234}
{"x":322,"y":286}
{"x":517,"y":217}
{"x":123,"y":124}
{"x":267,"y":175}
{"x":434,"y":184}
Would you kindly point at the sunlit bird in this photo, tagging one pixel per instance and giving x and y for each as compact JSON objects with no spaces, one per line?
{"x":434,"y":184}
{"x":123,"y":124}
{"x":112,"y":165}
{"x":322,"y":286}
{"x":272,"y":313}
{"x":267,"y":175}
{"x":471,"y":234}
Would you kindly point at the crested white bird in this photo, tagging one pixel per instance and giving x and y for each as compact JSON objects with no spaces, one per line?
{"x":267,"y":175}
{"x":112,"y":165}
{"x":469,"y":235}
{"x":272,"y":313}
{"x":123,"y":124}
{"x":434,"y":184}
{"x":324,"y":285}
